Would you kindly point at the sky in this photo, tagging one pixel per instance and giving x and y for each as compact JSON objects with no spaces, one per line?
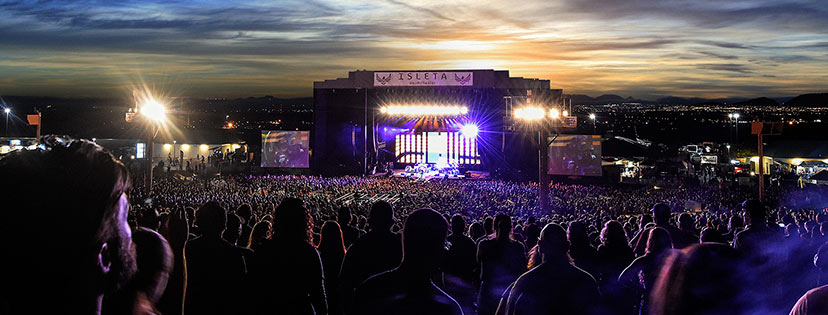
{"x":641,"y":48}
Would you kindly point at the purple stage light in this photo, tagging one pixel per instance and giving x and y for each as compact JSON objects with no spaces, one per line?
{"x":469,"y":131}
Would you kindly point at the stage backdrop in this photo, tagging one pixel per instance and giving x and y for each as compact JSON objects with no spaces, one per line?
{"x":575,"y":155}
{"x":285,"y":149}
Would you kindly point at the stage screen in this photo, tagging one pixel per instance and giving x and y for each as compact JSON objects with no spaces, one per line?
{"x":285,"y":149}
{"x":575,"y":155}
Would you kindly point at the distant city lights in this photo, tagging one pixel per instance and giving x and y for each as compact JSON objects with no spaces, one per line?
{"x":424,"y":110}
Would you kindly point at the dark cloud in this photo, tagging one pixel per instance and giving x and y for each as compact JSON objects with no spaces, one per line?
{"x":729,"y":67}
{"x":421,"y":9}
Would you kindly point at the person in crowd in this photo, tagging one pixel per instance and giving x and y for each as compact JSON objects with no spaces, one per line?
{"x":74,"y":193}
{"x":215,"y":268}
{"x":581,"y":251}
{"x":332,"y":251}
{"x":245,"y":213}
{"x":259,"y":235}
{"x":408,"y":289}
{"x":233,"y":231}
{"x":704,"y":278}
{"x":476,"y":231}
{"x":555,"y":286}
{"x":641,"y":274}
{"x":501,"y":261}
{"x":815,"y":301}
{"x":460,"y":265}
{"x":349,"y":233}
{"x":286,"y":274}
{"x":144,"y":290}
{"x":149,"y":218}
{"x":377,"y":251}
{"x":734,"y":226}
{"x":613,"y":255}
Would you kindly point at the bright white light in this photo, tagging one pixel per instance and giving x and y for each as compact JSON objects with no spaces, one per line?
{"x":469,"y":131}
{"x":797,"y":161}
{"x":153,"y":110}
{"x":235,"y":146}
{"x":734,"y":162}
{"x":167,"y":146}
{"x":424,"y":110}
{"x":185,"y":147}
{"x":730,"y":115}
{"x":7,"y":110}
{"x":530,"y":113}
{"x":565,"y":114}
{"x":592,"y":116}
{"x":554,"y":113}
{"x":736,"y":116}
{"x":204,"y":147}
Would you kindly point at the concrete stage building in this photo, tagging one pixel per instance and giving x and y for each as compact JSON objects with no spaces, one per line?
{"x":375,"y":120}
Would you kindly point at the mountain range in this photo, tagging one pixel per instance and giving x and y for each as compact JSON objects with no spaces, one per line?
{"x":812,"y":99}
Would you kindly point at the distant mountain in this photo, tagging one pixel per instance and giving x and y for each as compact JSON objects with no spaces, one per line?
{"x":762,"y":101}
{"x":581,"y":99}
{"x":610,"y":98}
{"x":814,"y":99}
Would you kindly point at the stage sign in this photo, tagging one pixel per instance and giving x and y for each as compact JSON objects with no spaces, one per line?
{"x":709,"y":159}
{"x":423,"y":79}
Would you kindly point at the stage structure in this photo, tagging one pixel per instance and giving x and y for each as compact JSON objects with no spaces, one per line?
{"x":454,"y":120}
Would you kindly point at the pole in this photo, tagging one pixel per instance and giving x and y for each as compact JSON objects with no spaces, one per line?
{"x":543,"y":177}
{"x":365,"y":136}
{"x":7,"y":125}
{"x":151,"y":148}
{"x":39,"y":123}
{"x":760,"y":168}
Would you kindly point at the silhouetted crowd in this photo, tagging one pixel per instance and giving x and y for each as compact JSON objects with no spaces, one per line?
{"x":78,"y":238}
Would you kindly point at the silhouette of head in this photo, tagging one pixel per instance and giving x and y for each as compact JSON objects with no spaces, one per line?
{"x":381,"y":217}
{"x":503,"y":225}
{"x":701,"y":279}
{"x":754,"y":211}
{"x":149,"y":218}
{"x":259,"y":233}
{"x":613,"y":233}
{"x":553,"y":243}
{"x":245,"y":212}
{"x":658,"y":241}
{"x":476,"y":230}
{"x":343,"y":215}
{"x":424,"y":238}
{"x":211,"y":219}
{"x":685,"y":221}
{"x":577,"y":233}
{"x":74,"y":193}
{"x":458,"y":224}
{"x":661,"y":214}
{"x":331,"y":236}
{"x":292,"y":221}
{"x":155,"y":262}
{"x":233,"y":230}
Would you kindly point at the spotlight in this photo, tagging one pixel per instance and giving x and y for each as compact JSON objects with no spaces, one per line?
{"x":530,"y":113}
{"x":7,"y":110}
{"x":469,"y":131}
{"x":554,"y":113}
{"x":424,"y":110}
{"x":592,"y":116}
{"x":153,"y":110}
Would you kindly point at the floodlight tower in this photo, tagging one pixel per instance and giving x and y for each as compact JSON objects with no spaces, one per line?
{"x":154,"y":114}
{"x":7,"y":111}
{"x":542,"y":118}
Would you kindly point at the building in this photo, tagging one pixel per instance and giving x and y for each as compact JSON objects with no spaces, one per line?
{"x":375,"y":120}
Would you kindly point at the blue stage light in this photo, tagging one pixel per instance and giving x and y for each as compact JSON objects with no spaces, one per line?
{"x":469,"y":131}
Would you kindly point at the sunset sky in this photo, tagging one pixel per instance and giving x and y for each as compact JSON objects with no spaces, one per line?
{"x":640,"y":48}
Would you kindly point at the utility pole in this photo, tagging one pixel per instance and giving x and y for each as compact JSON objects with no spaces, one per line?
{"x":761,"y":129}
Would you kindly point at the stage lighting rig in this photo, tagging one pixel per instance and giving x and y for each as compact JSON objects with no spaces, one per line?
{"x":424,"y":110}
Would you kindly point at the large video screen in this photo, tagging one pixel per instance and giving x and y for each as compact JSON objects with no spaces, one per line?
{"x":575,"y":155}
{"x":434,"y":147}
{"x":285,"y":149}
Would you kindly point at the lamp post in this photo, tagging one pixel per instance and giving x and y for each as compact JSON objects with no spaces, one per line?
{"x":537,"y":116}
{"x":7,"y":111}
{"x":154,"y":114}
{"x":592,"y":117}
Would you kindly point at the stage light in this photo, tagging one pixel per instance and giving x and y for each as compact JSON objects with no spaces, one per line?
{"x":469,"y":131}
{"x":235,"y":146}
{"x":565,"y":114}
{"x":185,"y":147}
{"x":530,"y":113}
{"x":592,"y":116}
{"x":554,"y":113}
{"x":797,"y":161}
{"x":424,"y":110}
{"x":203,"y":147}
{"x":153,"y":110}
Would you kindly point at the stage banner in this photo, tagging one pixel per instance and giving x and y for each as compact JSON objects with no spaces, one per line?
{"x":423,"y":79}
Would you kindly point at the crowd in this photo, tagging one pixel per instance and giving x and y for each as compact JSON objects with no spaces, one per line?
{"x":77,"y":238}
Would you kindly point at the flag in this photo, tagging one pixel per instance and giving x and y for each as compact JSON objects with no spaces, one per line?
{"x":34,"y":120}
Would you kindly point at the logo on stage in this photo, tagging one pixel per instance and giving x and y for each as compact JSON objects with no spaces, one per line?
{"x":423,"y":79}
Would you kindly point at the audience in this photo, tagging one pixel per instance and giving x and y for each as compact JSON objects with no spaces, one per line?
{"x":469,"y":258}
